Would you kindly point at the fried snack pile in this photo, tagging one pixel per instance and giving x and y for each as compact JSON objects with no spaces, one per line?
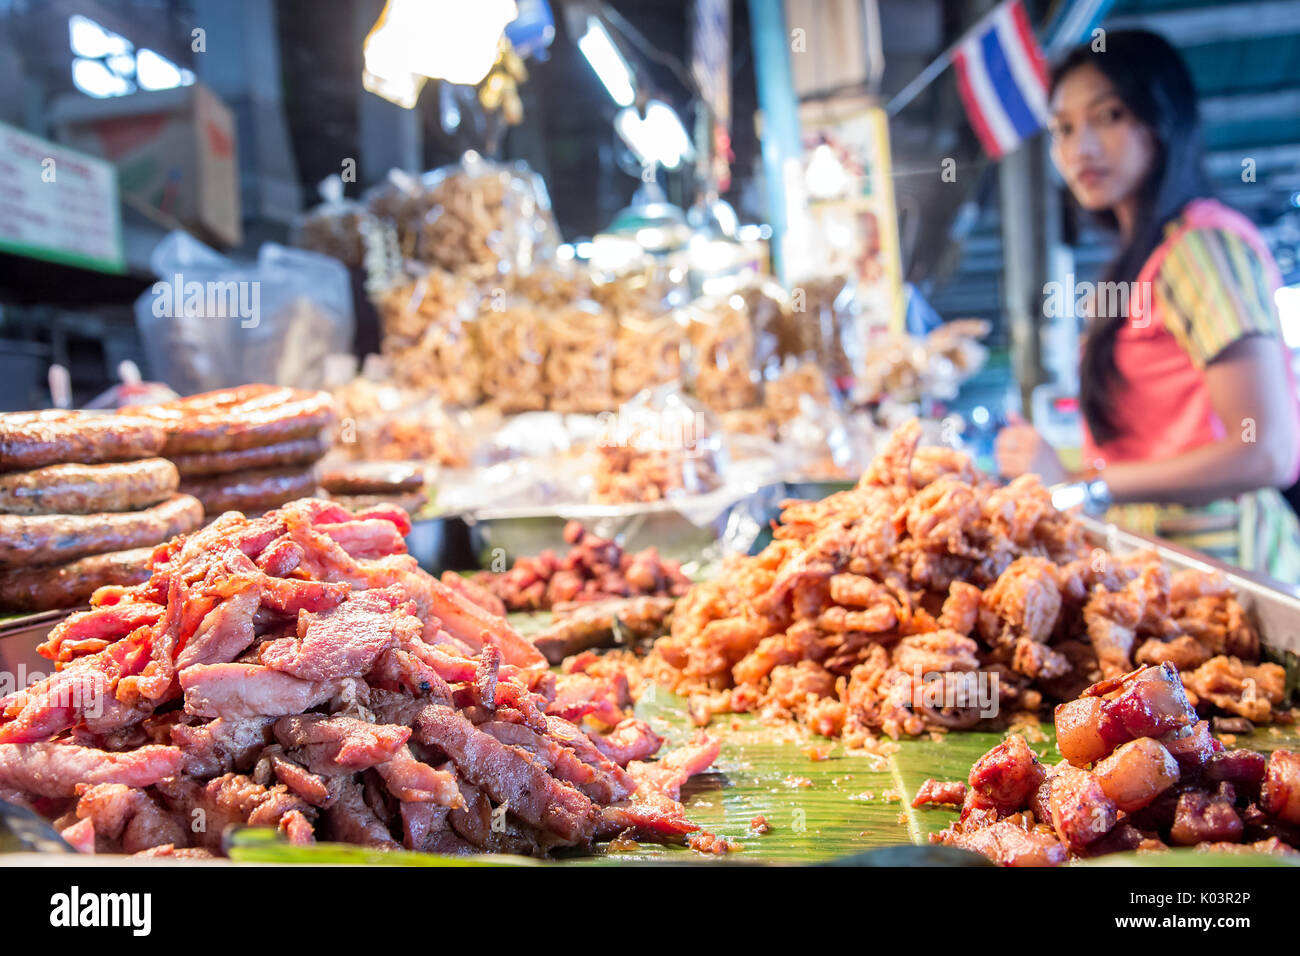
{"x":580,"y":361}
{"x":647,"y":354}
{"x":299,"y":671}
{"x":926,"y":572}
{"x":427,"y":341}
{"x":1141,"y":772}
{"x":724,"y":346}
{"x":83,"y":500}
{"x":513,"y":345}
{"x":795,"y":392}
{"x":626,"y":474}
{"x":903,"y":367}
{"x":594,"y":569}
{"x":379,"y":421}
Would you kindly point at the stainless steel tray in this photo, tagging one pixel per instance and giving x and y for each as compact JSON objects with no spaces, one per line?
{"x":678,"y":528}
{"x":19,"y":638}
{"x":808,"y":489}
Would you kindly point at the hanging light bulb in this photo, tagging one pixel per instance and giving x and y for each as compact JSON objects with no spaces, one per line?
{"x":658,"y":137}
{"x":415,"y":40}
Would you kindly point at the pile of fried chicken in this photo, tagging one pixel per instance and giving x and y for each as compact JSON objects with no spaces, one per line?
{"x":872,"y":602}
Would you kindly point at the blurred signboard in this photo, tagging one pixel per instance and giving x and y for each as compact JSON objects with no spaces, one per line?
{"x":851,"y":224}
{"x":58,"y":203}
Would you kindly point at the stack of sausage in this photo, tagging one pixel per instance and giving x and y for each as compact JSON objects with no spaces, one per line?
{"x":245,"y":449}
{"x":84,"y":498}
{"x":365,"y":484}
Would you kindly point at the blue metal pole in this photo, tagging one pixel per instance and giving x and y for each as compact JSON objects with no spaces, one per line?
{"x":776,"y":98}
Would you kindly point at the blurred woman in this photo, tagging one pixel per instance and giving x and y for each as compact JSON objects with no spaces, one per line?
{"x":1190,"y":411}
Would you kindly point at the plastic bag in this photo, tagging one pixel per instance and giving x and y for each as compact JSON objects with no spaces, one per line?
{"x":800,"y":425}
{"x":907,"y":369}
{"x":829,"y":311}
{"x":131,"y":390}
{"x":423,"y":432}
{"x":580,"y":361}
{"x":379,"y":421}
{"x":427,"y":336}
{"x":529,"y":435}
{"x":955,"y":354}
{"x":212,"y":322}
{"x":779,"y":336}
{"x":724,"y":376}
{"x":659,"y":445}
{"x":474,"y":217}
{"x":513,"y":345}
{"x":338,"y":227}
{"x":653,"y":290}
{"x":647,"y":353}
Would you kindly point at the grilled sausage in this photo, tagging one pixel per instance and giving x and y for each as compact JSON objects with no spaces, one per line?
{"x":296,"y":451}
{"x":372,"y":478}
{"x":239,"y":418}
{"x":87,"y":489}
{"x":251,"y":492}
{"x":51,"y":587}
{"x":58,"y":539}
{"x":36,"y":439}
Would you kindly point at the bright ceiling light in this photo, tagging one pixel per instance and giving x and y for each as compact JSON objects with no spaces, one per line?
{"x":440,"y":39}
{"x":826,"y":177}
{"x":154,"y":72}
{"x":658,"y":137}
{"x":123,"y":64}
{"x":400,"y":88}
{"x":608,"y":63}
{"x":87,"y":38}
{"x":95,"y":79}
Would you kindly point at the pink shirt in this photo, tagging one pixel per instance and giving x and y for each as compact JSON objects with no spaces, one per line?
{"x":1208,"y":288}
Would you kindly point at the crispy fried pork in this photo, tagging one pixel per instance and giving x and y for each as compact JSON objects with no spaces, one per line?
{"x":1130,"y":781}
{"x":926,"y":571}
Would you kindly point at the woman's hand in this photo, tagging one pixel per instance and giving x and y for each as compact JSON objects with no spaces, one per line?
{"x":1021,"y":450}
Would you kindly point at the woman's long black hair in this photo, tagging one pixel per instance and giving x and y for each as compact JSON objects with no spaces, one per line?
{"x":1153,"y":82}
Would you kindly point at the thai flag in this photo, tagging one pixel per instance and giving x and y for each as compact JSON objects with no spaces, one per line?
{"x":1002,"y":76}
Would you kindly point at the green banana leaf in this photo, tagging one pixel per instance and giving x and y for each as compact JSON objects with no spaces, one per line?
{"x":821,"y":802}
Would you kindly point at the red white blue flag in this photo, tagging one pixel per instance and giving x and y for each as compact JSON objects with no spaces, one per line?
{"x":1002,"y":77}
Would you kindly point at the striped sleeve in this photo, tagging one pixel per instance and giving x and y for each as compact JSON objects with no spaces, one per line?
{"x":1215,"y":290}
